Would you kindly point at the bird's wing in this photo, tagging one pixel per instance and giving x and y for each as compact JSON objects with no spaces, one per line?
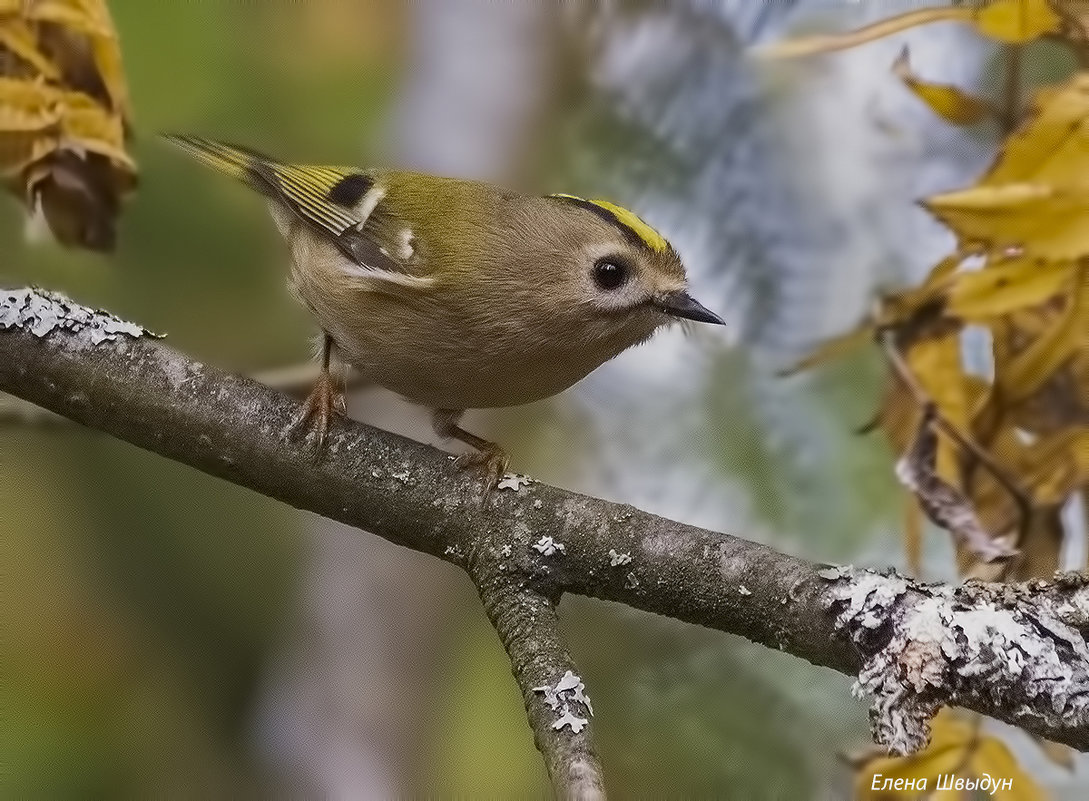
{"x":339,"y":203}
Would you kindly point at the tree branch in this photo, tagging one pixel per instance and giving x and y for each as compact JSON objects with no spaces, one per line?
{"x":557,"y":708}
{"x":295,"y":380}
{"x":1015,"y":652}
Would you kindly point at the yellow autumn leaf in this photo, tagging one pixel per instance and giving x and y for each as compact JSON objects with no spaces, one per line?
{"x":1057,"y":465}
{"x":909,"y":305}
{"x":943,"y":269}
{"x":991,"y":757}
{"x":1030,"y":367}
{"x":91,"y":127}
{"x":950,"y":736}
{"x":999,"y":289}
{"x":28,"y":111}
{"x":35,"y":117}
{"x":895,"y":309}
{"x":1042,"y":147}
{"x":898,"y":416}
{"x":64,"y":116}
{"x":948,"y":102}
{"x":17,"y":37}
{"x":27,"y":105}
{"x":1044,"y":220}
{"x":86,"y":16}
{"x":957,"y":749}
{"x":100,"y":53}
{"x":1036,"y":195}
{"x":936,"y":365}
{"x":1017,"y":20}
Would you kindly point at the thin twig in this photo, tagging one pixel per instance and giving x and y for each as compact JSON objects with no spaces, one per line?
{"x":1021,"y":497}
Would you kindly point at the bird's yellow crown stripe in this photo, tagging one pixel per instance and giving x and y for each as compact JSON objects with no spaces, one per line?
{"x":627,"y":218}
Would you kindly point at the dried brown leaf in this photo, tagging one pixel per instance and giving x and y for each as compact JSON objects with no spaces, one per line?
{"x":942,"y":502}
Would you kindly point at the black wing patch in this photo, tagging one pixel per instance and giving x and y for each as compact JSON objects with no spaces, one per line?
{"x":305,"y":190}
{"x":350,"y":189}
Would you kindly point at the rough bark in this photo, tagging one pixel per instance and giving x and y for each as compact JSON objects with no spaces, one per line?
{"x":1014,"y":652}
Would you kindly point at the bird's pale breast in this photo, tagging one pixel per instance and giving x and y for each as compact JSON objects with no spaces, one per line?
{"x":420,"y":348}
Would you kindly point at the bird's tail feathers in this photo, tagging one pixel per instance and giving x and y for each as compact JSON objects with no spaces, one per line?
{"x":243,"y":164}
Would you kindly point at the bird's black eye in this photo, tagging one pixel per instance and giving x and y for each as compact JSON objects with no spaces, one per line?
{"x":609,"y":274}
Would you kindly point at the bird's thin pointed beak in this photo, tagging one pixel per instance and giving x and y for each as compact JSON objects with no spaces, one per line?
{"x":681,"y":304}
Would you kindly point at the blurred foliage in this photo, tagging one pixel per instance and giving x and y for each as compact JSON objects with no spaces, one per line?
{"x":64,"y":111}
{"x":696,"y":717}
{"x":782,"y":485}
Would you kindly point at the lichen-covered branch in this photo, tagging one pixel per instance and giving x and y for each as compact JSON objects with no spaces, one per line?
{"x":1014,"y":652}
{"x":296,"y":380}
{"x":557,"y":705}
{"x":1020,"y":647}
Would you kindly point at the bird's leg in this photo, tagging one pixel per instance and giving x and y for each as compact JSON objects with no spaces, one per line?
{"x":490,"y":455}
{"x":325,"y":399}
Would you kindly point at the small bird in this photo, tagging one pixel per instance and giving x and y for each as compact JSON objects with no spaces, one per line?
{"x":459,"y":294}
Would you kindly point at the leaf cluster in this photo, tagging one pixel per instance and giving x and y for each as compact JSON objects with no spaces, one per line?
{"x":64,"y":117}
{"x":986,"y":403}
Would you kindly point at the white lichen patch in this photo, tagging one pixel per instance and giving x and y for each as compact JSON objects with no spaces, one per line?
{"x":575,"y":723}
{"x":835,"y":573}
{"x":514,"y":481}
{"x":548,"y":546}
{"x":567,"y":697}
{"x":743,"y":590}
{"x":942,"y":647}
{"x":41,"y":312}
{"x":869,"y":592}
{"x":616,"y":559}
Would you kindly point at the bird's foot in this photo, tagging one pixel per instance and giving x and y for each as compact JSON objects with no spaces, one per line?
{"x":325,"y":401}
{"x":494,"y":462}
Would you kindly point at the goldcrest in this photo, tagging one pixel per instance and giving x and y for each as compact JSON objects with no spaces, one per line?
{"x":459,"y":294}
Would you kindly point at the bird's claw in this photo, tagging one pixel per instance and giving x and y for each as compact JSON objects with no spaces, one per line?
{"x":323,"y":403}
{"x":495,"y":464}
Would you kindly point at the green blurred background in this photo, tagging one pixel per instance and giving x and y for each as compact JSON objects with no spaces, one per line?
{"x":167,"y":634}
